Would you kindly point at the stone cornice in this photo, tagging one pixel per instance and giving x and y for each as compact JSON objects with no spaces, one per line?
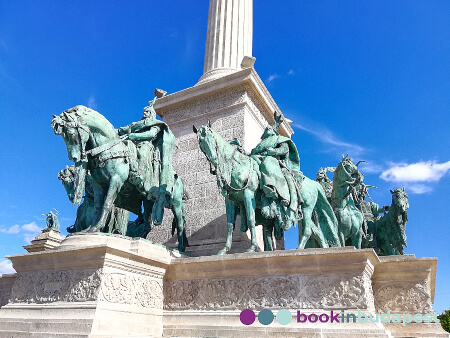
{"x":247,"y":76}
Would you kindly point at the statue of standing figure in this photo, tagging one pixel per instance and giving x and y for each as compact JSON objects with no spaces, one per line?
{"x":51,"y":221}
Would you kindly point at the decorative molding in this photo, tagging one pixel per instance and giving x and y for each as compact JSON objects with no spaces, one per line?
{"x":295,"y":291}
{"x":53,"y":286}
{"x":125,"y":287}
{"x":121,"y":288}
{"x":406,"y":297}
{"x":4,"y":297}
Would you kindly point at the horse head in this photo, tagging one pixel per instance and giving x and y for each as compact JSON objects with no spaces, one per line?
{"x":208,"y":143}
{"x":69,"y":125}
{"x":347,"y":172}
{"x":400,"y":199}
{"x":67,"y":178}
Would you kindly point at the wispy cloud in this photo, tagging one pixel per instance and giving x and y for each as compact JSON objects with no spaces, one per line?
{"x":28,"y":230}
{"x":326,"y":136}
{"x":275,"y":76}
{"x":31,"y":227}
{"x":6,"y":267}
{"x":415,"y":175}
{"x":272,"y":77}
{"x":429,"y":171}
{"x":91,"y":102}
{"x":15,"y":229}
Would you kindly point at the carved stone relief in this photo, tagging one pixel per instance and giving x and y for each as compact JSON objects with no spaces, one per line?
{"x":86,"y":285}
{"x":404,"y":297}
{"x":131,"y":289}
{"x":52,"y":286}
{"x":4,"y":297}
{"x":296,"y":291}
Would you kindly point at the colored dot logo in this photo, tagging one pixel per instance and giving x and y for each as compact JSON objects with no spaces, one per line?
{"x":265,"y":317}
{"x":284,"y":317}
{"x":247,"y":317}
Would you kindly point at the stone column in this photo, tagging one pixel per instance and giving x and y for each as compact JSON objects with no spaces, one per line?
{"x":229,"y":36}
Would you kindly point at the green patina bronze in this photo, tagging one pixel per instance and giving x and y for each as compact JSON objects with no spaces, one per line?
{"x":387,"y":232}
{"x":360,"y":220}
{"x":118,"y":218}
{"x":346,"y":179}
{"x":129,"y":168}
{"x":51,"y":221}
{"x":268,"y":188}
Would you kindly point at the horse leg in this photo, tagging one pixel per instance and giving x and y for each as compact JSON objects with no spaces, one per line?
{"x":357,"y":223}
{"x":115,"y":184}
{"x":306,"y":231}
{"x":231,"y":220}
{"x":177,"y":210}
{"x":267,"y":236}
{"x":148,"y":206}
{"x":249,"y":203}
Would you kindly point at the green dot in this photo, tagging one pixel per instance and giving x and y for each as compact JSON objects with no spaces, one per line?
{"x":265,"y":317}
{"x":284,"y":317}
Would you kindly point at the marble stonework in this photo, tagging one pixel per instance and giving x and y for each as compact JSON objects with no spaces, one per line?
{"x":130,"y":287}
{"x":238,"y":106}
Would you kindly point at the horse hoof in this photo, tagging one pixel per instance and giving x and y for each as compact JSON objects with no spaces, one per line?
{"x":252,"y":248}
{"x":222,"y":252}
{"x":300,"y":247}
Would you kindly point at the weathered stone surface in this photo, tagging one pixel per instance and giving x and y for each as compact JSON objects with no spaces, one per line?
{"x":239,"y":106}
{"x":122,"y":287}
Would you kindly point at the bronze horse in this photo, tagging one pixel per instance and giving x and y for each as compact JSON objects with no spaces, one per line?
{"x":93,"y":144}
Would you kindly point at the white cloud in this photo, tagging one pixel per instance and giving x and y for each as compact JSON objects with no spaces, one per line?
{"x":28,"y":230}
{"x":91,"y":103}
{"x":15,"y":229}
{"x":419,"y":188}
{"x":6,"y":267}
{"x":31,"y":227}
{"x":291,"y":72}
{"x":429,"y":171}
{"x":372,"y":168}
{"x":272,"y":77}
{"x":419,"y":178}
{"x":328,"y":137}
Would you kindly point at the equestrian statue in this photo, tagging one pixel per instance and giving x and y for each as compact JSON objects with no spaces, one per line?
{"x":130,"y":168}
{"x":267,"y":187}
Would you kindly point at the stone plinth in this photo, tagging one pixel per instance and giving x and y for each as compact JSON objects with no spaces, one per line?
{"x":47,"y":240}
{"x":90,"y":286}
{"x":239,"y":106}
{"x":110,"y":286}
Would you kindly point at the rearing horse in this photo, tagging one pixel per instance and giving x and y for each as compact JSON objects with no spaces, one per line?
{"x":346,"y":178}
{"x":93,"y":143}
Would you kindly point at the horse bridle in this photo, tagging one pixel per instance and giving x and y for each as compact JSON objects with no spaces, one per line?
{"x":227,"y":186}
{"x":74,"y":124}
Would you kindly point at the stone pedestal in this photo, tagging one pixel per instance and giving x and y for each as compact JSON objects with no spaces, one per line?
{"x":110,"y":286}
{"x":239,"y":106}
{"x":90,"y":286}
{"x":47,"y":240}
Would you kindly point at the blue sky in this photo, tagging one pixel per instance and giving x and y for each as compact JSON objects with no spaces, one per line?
{"x":368,"y":78}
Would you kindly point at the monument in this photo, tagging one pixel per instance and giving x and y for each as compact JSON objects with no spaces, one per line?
{"x":108,"y":280}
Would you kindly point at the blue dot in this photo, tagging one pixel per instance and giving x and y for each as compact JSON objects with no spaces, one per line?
{"x":265,"y":317}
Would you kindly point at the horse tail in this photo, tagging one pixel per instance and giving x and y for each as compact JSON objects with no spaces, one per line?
{"x":327,"y":219}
